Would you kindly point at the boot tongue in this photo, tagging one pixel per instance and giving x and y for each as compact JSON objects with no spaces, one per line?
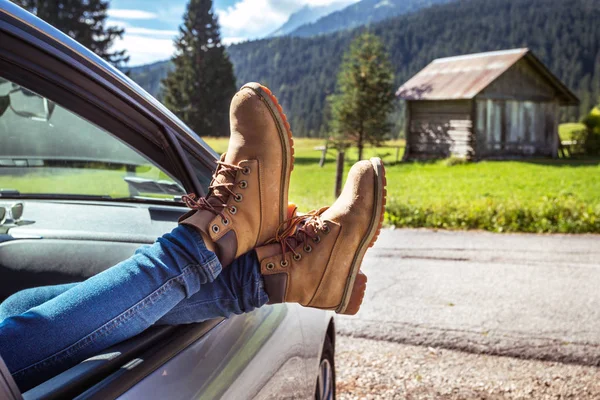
{"x":219,"y":195}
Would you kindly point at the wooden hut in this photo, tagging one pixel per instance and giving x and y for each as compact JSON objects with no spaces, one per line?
{"x":502,"y":104}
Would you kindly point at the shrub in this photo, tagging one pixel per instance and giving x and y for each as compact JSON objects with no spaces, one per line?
{"x":561,"y":214}
{"x":589,"y":139}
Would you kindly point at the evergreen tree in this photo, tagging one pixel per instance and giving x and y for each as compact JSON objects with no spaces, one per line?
{"x":361,"y":108}
{"x":84,"y":21}
{"x":201,"y":85}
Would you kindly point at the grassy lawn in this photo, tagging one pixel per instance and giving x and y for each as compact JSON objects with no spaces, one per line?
{"x":510,"y":196}
{"x":87,"y":181}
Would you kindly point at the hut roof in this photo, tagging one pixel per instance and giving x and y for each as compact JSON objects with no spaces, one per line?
{"x":464,"y":77}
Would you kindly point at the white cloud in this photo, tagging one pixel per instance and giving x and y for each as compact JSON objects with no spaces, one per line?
{"x":144,"y":49}
{"x":255,"y":18}
{"x":131,"y":14}
{"x":151,"y":32}
{"x":232,"y":39}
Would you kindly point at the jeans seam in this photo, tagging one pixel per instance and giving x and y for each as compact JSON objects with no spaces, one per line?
{"x":109,"y":326}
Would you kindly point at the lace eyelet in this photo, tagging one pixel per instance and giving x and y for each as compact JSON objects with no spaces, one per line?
{"x":297,"y":257}
{"x":326,"y":228}
{"x":238,"y":197}
{"x":307,"y":248}
{"x":317,"y":239}
{"x":243,"y":184}
{"x":225,"y":221}
{"x":270,"y":266}
{"x":246,"y":170}
{"x":215,"y":228}
{"x":233,"y":210}
{"x":284,"y":263}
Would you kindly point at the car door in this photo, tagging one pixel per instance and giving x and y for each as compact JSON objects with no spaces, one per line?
{"x":259,"y":354}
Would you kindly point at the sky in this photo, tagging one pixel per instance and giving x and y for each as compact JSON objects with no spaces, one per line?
{"x":151,"y":25}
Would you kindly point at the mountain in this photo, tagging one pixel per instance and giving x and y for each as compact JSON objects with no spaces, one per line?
{"x":302,"y":71}
{"x":308,"y":21}
{"x":150,"y":76}
{"x":306,"y":15}
{"x":362,"y":13}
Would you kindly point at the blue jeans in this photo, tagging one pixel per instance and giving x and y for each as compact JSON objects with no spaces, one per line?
{"x":177,"y":280}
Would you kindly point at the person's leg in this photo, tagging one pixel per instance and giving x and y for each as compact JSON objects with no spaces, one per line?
{"x":26,"y":299}
{"x":238,"y":289}
{"x":107,"y":308}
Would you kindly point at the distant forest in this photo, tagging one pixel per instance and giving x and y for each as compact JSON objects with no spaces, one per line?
{"x":565,"y":35}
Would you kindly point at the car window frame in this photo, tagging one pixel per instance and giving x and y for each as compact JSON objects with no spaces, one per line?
{"x":23,"y":62}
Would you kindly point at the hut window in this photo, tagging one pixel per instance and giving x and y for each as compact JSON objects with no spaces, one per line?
{"x":531,"y":121}
{"x":481,"y":119}
{"x":515,"y":122}
{"x":494,"y":125}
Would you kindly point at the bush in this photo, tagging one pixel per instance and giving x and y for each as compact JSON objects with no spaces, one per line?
{"x":561,"y":214}
{"x":589,"y":139}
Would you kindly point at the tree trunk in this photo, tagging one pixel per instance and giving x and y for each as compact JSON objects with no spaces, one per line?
{"x":360,"y":145}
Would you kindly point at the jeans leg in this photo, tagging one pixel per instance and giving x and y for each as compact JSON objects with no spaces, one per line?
{"x":26,"y":299}
{"x":107,"y":308}
{"x":238,"y":289}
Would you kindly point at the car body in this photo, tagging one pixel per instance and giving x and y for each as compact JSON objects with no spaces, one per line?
{"x":60,"y":92}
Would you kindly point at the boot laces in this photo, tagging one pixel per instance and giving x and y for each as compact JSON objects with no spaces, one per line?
{"x":299,"y":229}
{"x":215,"y":191}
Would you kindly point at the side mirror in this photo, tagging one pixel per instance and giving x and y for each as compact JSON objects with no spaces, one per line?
{"x":4,"y":104}
{"x":27,"y":104}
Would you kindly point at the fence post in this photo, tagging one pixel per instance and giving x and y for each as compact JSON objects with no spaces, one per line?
{"x":339,"y":173}
{"x":323,"y":156}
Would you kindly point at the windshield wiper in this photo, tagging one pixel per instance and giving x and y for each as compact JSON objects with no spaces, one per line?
{"x":15,"y":194}
{"x":9,"y":193}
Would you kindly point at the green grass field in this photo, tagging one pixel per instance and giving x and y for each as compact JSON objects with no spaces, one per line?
{"x":502,"y":196}
{"x":509,"y":196}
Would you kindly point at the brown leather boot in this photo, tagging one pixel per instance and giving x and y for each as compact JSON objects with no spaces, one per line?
{"x":248,"y":196}
{"x":316,"y":258}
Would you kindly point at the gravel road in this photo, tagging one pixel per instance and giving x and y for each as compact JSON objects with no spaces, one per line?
{"x":475,"y":315}
{"x":371,"y":369}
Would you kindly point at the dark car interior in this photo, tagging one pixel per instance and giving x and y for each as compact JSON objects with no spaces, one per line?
{"x":74,"y":201}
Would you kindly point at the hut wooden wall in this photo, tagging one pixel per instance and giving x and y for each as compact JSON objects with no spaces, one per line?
{"x":438,"y":129}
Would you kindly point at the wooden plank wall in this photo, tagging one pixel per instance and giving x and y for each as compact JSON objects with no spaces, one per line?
{"x":439,"y":129}
{"x":520,"y":82}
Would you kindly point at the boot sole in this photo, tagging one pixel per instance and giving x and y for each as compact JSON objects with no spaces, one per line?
{"x":357,"y":282}
{"x":285,"y":134}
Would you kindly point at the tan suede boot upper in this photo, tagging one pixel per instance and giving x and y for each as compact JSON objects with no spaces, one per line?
{"x":248,"y":196}
{"x":317,"y":257}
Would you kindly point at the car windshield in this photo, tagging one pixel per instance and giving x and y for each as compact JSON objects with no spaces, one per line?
{"x":46,"y":150}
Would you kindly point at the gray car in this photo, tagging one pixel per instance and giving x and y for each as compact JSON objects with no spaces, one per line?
{"x":92,"y":167}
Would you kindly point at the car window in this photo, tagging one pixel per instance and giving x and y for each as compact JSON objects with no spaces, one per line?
{"x":46,"y":149}
{"x":203,"y":174}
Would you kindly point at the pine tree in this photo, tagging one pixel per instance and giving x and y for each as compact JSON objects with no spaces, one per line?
{"x":365,"y":94}
{"x":201,"y":85}
{"x":84,"y":21}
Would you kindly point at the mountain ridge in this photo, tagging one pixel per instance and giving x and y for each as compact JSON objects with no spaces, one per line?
{"x":306,"y":15}
{"x":361,"y":13}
